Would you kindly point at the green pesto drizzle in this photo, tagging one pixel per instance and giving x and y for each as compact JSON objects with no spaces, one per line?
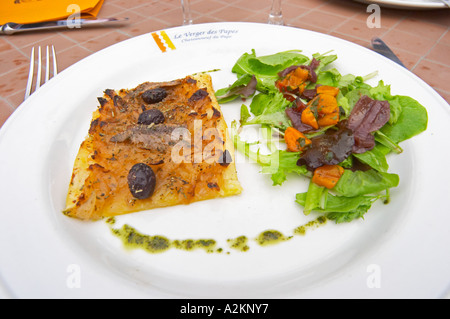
{"x":132,"y":239}
{"x":205,"y":72}
{"x":239,"y":243}
{"x":301,"y":230}
{"x":270,"y":237}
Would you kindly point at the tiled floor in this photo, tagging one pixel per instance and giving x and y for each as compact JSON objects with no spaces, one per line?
{"x":420,"y":38}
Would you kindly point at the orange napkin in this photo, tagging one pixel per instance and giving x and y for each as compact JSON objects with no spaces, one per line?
{"x":32,"y":11}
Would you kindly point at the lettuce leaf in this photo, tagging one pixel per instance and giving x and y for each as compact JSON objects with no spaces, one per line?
{"x":365,"y":182}
{"x":338,"y":208}
{"x":283,"y":163}
{"x":268,"y":65}
{"x":269,"y":109}
{"x":245,"y":87}
{"x":412,"y":121}
{"x":279,"y":163}
{"x":274,"y":63}
{"x":375,"y":158}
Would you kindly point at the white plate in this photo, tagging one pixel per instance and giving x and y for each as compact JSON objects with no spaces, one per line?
{"x":398,"y":250}
{"x":408,"y":4}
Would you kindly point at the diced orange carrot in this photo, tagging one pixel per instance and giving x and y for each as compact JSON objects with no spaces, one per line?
{"x":293,"y":81}
{"x":327,"y":89}
{"x":309,"y":118}
{"x":327,"y":175}
{"x":302,"y":74}
{"x":327,"y":110}
{"x":295,"y":140}
{"x":327,"y":104}
{"x":328,"y":119}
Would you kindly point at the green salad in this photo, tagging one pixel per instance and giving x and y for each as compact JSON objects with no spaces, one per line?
{"x":335,"y":128}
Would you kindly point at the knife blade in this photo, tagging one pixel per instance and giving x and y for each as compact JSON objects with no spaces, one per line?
{"x":11,"y":27}
{"x":379,"y":46}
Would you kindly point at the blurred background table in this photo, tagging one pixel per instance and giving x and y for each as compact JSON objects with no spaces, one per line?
{"x":421,"y":38}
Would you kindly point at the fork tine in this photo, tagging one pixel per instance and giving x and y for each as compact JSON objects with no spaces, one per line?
{"x":55,"y":64}
{"x":38,"y":77}
{"x":30,"y":75}
{"x":40,"y":62}
{"x":47,"y":65}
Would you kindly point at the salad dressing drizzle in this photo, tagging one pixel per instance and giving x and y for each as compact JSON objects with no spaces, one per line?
{"x":133,"y":239}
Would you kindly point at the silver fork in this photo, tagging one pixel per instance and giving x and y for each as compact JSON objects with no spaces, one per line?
{"x":48,"y":66}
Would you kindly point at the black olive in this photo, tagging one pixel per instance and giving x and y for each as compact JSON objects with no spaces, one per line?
{"x":198,"y":95}
{"x":225,"y":159}
{"x":141,"y":181}
{"x":154,"y":95}
{"x":151,"y":116}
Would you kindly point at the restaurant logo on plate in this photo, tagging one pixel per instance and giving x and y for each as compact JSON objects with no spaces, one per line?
{"x":163,"y":41}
